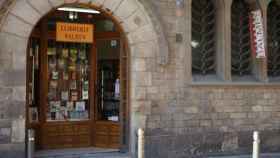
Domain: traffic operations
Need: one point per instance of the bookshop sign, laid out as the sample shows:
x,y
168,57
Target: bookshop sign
x,y
72,32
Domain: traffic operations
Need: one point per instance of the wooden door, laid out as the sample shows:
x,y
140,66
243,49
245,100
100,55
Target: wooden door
x,y
108,127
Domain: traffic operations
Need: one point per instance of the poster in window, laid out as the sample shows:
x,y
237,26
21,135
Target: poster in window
x,y
65,53
80,106
74,95
64,95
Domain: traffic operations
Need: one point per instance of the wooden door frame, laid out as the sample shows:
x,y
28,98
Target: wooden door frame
x,y
124,134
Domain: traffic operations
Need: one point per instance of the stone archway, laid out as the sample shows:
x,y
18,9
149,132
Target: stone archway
x,y
144,34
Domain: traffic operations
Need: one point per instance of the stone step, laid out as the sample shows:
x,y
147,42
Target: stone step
x,y
99,155
81,153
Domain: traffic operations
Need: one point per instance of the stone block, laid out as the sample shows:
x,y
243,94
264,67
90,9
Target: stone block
x,y
12,150
137,20
5,135
143,34
205,123
6,94
142,78
10,109
13,78
144,50
26,12
230,142
152,90
19,93
138,64
112,5
139,93
16,55
126,9
42,6
18,130
238,115
11,25
5,123
97,3
56,3
84,1
19,60
193,110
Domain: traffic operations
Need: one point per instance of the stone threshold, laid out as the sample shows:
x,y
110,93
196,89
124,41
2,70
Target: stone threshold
x,y
81,153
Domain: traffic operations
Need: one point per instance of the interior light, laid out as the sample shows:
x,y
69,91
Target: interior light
x,y
79,10
194,44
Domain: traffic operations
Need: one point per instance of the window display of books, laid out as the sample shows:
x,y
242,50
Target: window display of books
x,y
68,82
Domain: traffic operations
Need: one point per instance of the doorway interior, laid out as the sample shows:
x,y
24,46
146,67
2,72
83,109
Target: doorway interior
x,y
77,91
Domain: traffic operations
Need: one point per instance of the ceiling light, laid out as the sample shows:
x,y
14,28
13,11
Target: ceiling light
x,y
80,10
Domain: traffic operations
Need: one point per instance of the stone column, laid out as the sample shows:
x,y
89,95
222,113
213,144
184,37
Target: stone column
x,y
263,65
226,43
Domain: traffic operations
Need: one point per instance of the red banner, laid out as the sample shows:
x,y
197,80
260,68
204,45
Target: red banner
x,y
257,34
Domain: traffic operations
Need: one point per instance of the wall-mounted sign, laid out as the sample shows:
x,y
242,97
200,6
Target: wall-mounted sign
x,y
72,32
257,34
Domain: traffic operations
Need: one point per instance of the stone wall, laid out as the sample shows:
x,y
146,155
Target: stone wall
x,y
215,120
212,117
12,90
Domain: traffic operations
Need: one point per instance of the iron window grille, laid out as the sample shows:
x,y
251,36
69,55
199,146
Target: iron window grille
x,y
273,30
203,37
241,59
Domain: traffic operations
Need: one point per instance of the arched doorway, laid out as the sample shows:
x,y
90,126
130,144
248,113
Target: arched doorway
x,y
146,44
77,80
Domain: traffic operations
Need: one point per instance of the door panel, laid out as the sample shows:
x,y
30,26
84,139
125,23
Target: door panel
x,y
107,124
107,134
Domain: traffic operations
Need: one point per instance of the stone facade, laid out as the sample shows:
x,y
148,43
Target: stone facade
x,y
181,117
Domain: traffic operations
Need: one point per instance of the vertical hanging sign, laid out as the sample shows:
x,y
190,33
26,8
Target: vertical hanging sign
x,y
72,32
257,34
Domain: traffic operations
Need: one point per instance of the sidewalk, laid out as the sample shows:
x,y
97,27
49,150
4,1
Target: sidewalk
x,y
266,155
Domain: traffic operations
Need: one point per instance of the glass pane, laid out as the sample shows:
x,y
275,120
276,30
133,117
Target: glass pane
x,y
104,25
68,81
108,80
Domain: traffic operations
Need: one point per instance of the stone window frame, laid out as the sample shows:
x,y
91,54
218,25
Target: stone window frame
x,y
224,74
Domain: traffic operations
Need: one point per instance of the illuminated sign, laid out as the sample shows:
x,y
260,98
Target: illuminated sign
x,y
72,32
